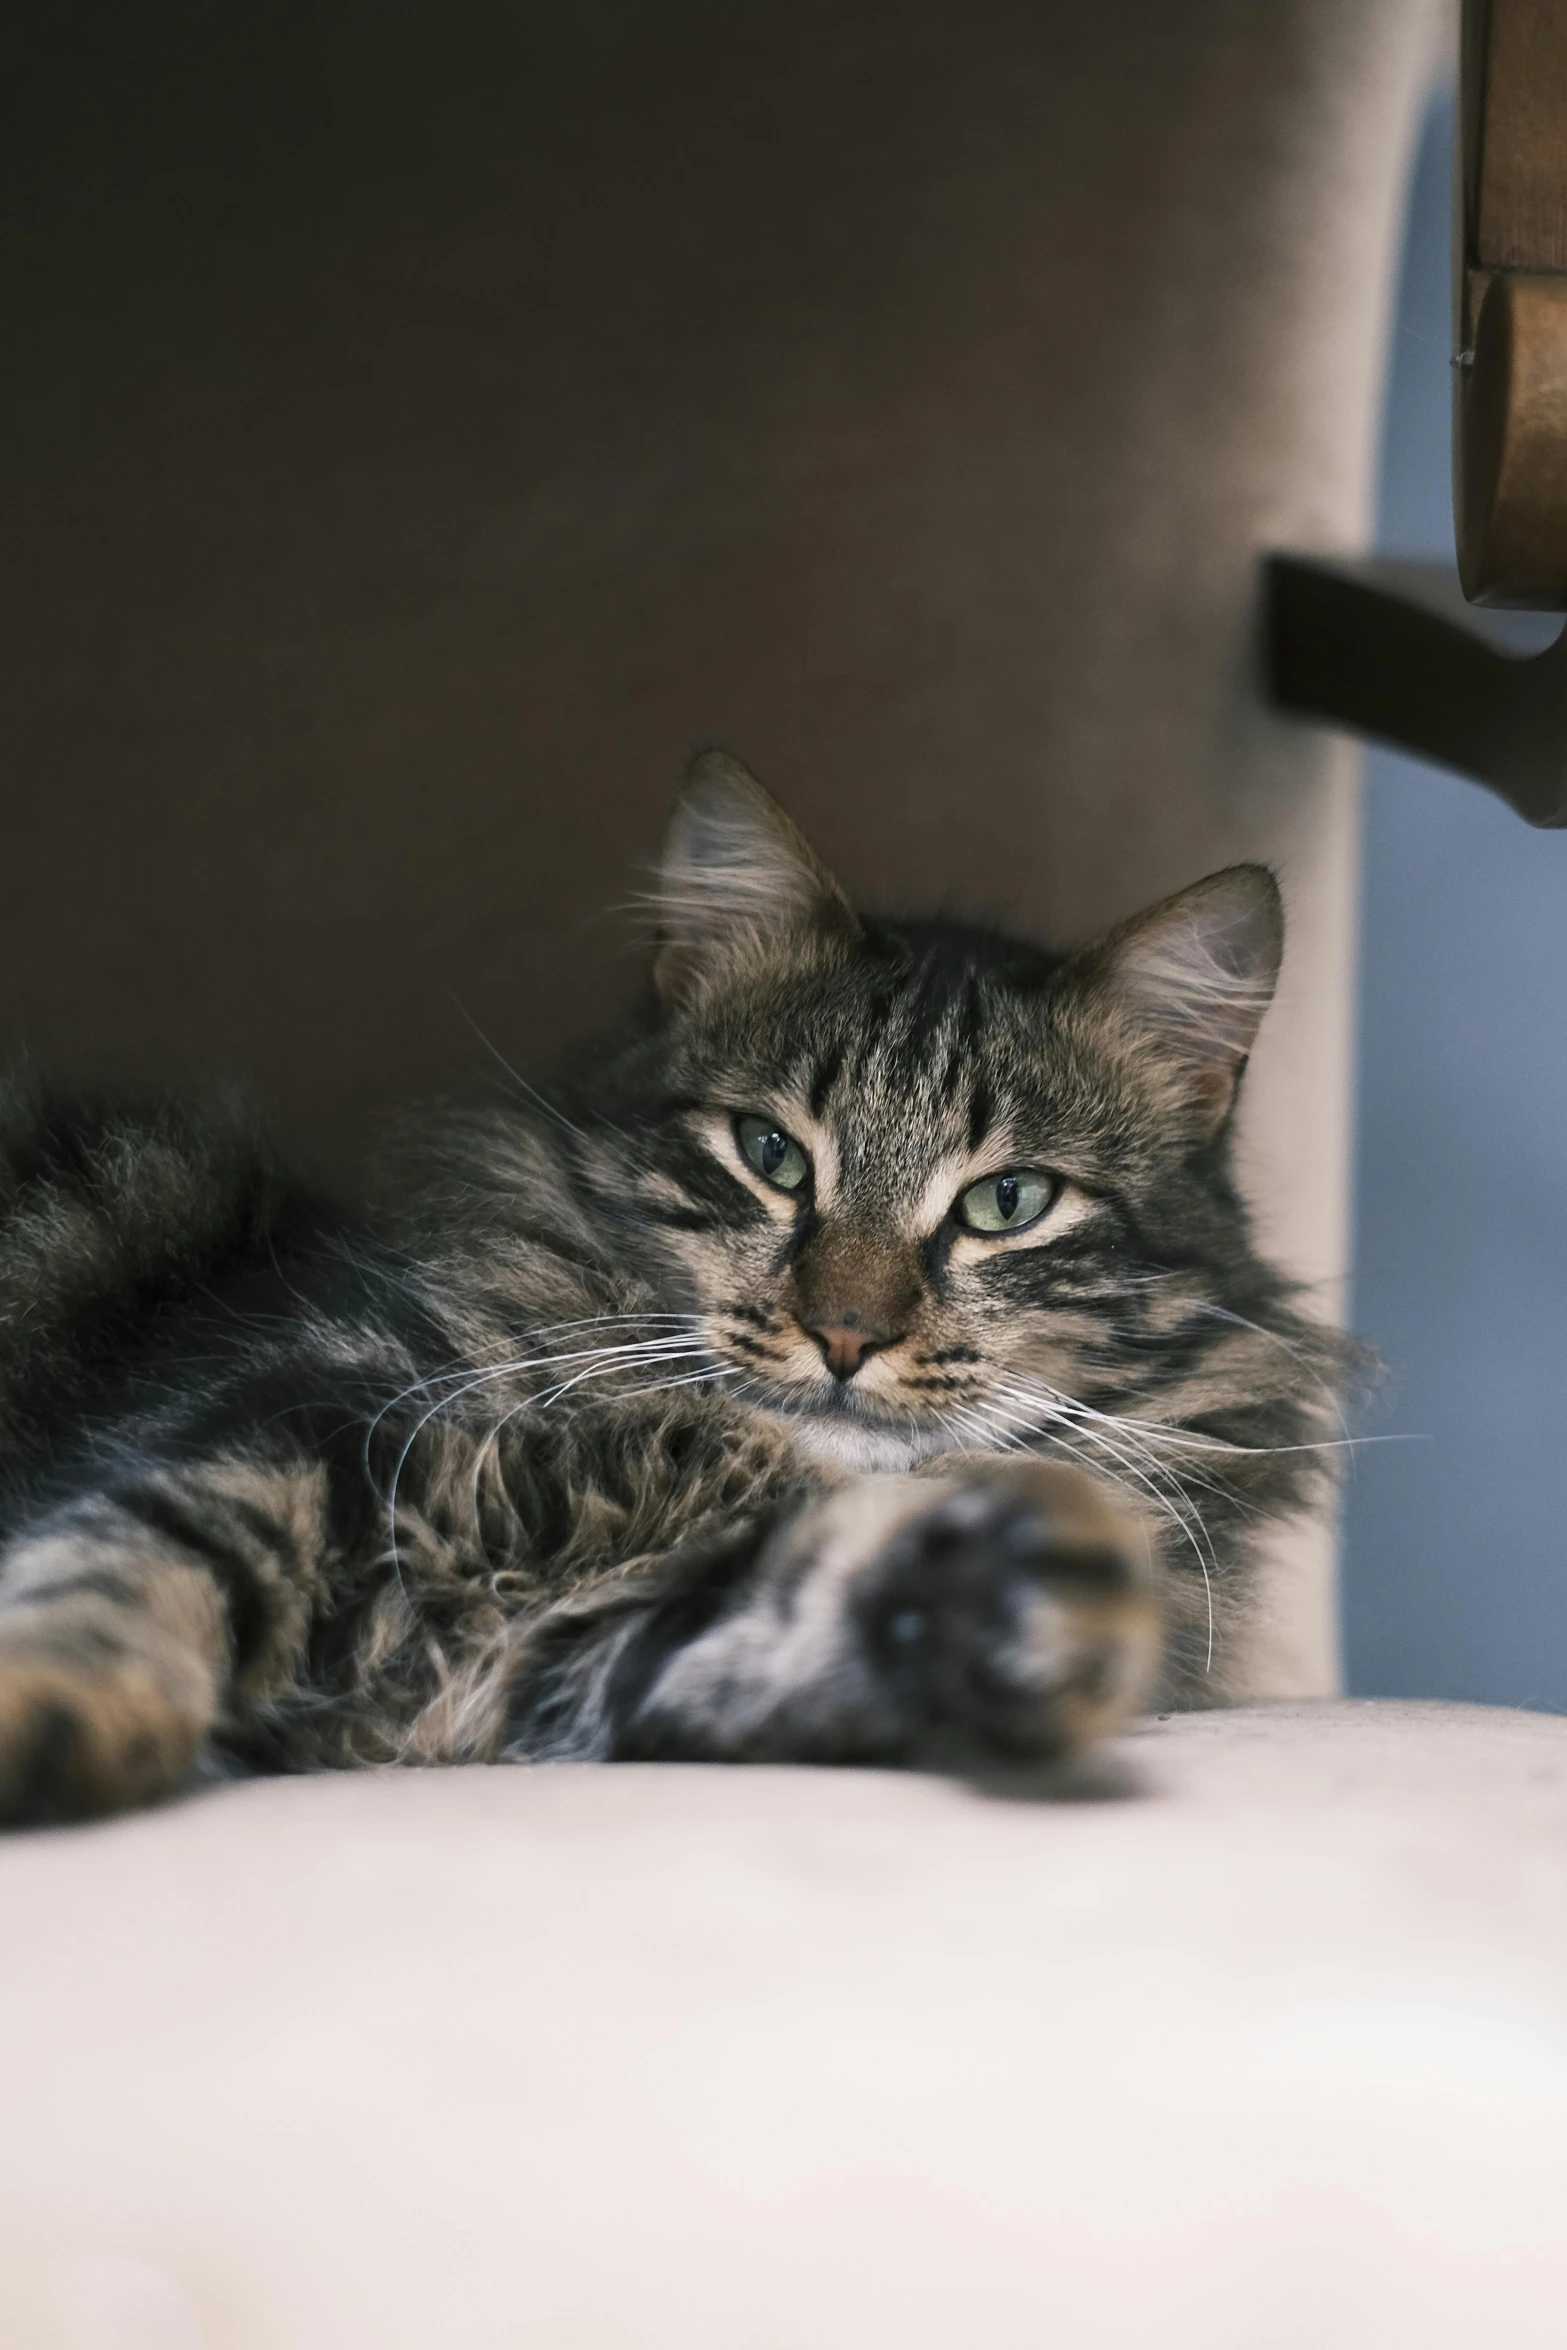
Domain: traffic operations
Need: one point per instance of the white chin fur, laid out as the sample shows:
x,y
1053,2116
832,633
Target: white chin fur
x,y
850,1444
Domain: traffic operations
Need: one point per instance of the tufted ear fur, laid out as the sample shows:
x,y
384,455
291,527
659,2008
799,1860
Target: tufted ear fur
x,y
736,880
1185,986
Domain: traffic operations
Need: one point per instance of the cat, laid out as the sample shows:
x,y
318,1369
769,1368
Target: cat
x,y
858,1356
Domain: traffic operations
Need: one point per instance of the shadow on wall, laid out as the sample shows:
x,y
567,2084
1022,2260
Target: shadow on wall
x,y
1455,1558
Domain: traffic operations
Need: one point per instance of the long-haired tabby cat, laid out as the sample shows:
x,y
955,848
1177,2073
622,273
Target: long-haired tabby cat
x,y
861,1356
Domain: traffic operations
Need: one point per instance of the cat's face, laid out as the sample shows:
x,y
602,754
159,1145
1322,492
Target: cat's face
x,y
923,1183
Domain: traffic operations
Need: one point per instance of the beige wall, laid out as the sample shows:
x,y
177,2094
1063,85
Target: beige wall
x,y
425,424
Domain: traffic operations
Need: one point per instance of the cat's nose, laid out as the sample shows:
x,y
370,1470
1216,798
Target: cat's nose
x,y
845,1344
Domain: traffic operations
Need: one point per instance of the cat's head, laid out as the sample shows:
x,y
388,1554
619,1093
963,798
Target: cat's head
x,y
917,1179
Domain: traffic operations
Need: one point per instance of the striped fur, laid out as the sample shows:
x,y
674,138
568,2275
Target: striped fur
x,y
590,1439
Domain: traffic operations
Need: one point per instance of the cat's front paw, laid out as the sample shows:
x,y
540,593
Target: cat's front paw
x,y
1014,1616
996,1610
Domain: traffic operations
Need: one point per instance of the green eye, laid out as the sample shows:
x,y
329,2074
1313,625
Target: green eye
x,y
1005,1203
776,1156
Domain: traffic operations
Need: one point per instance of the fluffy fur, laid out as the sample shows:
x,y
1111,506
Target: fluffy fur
x,y
686,1410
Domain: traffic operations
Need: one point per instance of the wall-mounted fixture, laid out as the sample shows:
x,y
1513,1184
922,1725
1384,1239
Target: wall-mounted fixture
x,y
1391,650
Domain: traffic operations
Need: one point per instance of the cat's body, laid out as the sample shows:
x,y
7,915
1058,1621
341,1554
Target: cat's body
x,y
861,1357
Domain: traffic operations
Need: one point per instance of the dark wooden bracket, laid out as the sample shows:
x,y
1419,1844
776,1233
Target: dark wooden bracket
x,y
1392,651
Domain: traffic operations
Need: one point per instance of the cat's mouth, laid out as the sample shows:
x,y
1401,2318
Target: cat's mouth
x,y
835,1428
852,1431
836,1403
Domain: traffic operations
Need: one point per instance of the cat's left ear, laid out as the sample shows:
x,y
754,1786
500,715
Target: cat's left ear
x,y
737,882
1184,986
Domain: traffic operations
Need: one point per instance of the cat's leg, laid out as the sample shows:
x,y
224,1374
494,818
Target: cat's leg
x,y
998,1609
130,1619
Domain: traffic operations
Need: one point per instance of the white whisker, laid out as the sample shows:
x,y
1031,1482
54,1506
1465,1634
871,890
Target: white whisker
x,y
529,1092
714,1370
1051,1410
601,1361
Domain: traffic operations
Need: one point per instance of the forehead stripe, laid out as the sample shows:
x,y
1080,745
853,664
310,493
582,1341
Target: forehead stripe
x,y
951,1075
825,1079
981,1107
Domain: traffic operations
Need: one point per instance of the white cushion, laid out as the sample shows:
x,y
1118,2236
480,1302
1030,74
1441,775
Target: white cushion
x,y
1268,2049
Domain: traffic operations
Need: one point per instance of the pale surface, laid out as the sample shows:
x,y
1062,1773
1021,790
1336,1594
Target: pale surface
x,y
1271,2051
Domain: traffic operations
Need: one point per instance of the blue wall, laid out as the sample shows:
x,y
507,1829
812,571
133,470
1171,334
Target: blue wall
x,y
1456,1547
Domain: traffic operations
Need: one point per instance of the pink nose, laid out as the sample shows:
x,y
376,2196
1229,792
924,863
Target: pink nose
x,y
845,1345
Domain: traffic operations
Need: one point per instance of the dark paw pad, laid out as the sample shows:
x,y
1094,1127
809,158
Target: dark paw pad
x,y
993,1632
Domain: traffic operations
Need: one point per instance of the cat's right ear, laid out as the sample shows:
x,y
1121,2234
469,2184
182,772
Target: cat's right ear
x,y
1183,988
737,883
